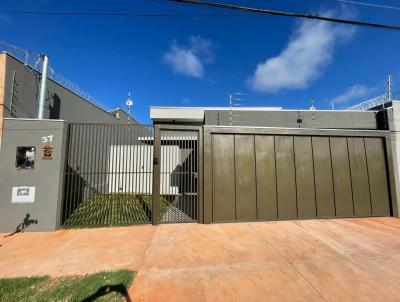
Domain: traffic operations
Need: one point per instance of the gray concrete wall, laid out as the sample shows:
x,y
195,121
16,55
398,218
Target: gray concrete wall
x,y
393,114
295,119
46,177
2,89
21,98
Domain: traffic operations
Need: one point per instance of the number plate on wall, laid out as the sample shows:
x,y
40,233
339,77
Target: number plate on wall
x,y
23,194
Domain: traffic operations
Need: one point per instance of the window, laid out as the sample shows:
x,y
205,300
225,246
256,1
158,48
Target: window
x,y
25,158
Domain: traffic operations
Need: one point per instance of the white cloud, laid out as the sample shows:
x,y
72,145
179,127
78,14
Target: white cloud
x,y
353,93
184,61
308,52
189,60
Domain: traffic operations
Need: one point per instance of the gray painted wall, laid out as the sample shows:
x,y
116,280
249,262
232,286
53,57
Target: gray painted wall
x,y
295,119
47,176
394,127
61,103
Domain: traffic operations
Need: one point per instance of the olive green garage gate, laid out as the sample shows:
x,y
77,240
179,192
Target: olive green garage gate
x,y
253,174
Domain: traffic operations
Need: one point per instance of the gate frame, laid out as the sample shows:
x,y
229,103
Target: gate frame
x,y
208,131
157,168
68,150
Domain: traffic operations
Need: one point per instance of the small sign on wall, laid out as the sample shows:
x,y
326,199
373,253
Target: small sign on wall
x,y
48,152
23,194
47,148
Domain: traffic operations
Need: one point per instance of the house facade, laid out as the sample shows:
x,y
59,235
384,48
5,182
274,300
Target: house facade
x,y
85,166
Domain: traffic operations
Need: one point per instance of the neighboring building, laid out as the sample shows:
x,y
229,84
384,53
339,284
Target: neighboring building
x,y
19,88
23,136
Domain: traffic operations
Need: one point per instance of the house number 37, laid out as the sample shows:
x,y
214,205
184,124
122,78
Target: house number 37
x,y
47,139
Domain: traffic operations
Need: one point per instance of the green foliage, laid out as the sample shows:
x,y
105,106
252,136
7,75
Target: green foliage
x,y
116,209
109,210
103,286
18,289
164,204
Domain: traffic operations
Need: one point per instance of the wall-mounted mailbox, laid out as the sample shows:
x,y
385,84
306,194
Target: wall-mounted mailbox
x,y
25,157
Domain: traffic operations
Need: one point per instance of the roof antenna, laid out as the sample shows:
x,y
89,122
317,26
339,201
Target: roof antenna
x,y
312,108
230,108
389,90
129,103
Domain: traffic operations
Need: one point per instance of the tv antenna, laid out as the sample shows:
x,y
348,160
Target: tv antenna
x,y
389,88
129,103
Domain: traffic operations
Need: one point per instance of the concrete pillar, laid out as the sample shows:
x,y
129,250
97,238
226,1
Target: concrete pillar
x,y
393,114
36,191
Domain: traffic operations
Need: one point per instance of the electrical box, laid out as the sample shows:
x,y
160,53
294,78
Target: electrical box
x,y
25,157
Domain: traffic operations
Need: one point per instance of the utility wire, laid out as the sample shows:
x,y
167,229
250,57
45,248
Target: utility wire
x,y
287,14
370,4
246,12
120,14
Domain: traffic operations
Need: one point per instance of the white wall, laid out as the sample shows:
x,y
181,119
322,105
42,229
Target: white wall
x,y
131,168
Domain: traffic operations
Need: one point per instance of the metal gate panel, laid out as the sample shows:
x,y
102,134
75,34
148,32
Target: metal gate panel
x,y
359,177
378,182
179,193
304,177
266,178
285,177
108,175
245,171
341,177
223,170
325,199
299,173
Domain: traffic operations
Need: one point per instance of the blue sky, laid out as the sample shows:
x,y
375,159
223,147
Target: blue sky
x,y
198,61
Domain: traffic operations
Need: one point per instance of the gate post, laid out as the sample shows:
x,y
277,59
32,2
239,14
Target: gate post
x,y
207,177
155,212
392,165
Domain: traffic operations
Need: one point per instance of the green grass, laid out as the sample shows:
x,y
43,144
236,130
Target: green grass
x,y
103,286
115,210
109,210
164,204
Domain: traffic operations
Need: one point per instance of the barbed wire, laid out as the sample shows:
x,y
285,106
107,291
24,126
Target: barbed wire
x,y
371,103
34,61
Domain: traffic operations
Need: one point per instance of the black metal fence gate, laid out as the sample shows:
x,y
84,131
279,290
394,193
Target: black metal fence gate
x,y
179,176
122,174
108,175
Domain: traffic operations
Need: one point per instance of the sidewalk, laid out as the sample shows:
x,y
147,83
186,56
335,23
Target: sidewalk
x,y
313,260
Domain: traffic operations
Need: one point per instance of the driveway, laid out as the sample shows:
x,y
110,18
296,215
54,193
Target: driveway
x,y
308,260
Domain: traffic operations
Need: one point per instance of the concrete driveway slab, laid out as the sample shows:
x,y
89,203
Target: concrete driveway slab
x,y
235,282
295,243
71,252
350,280
347,239
195,245
307,260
